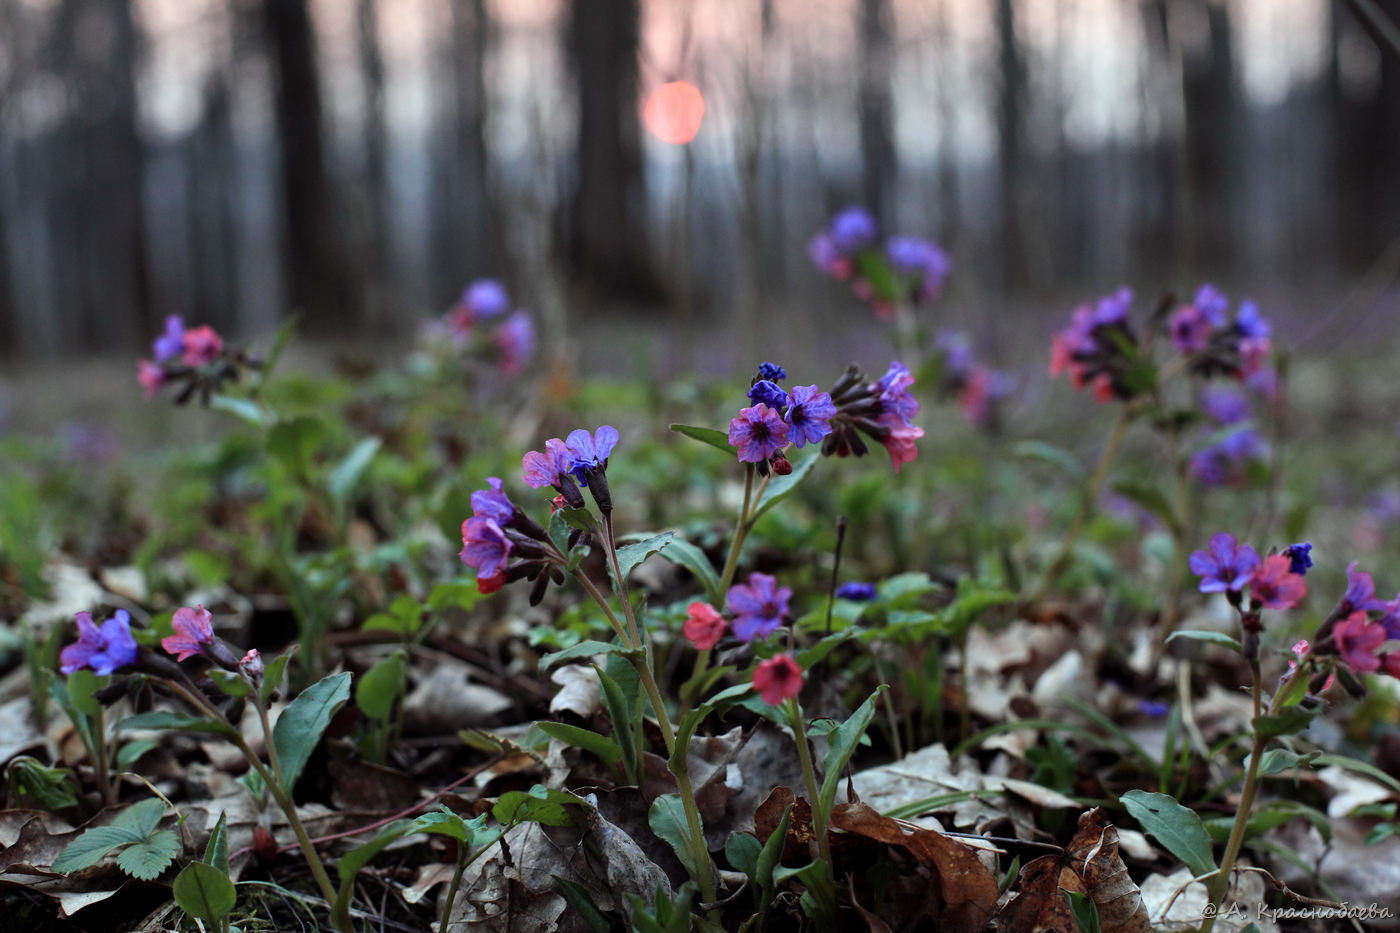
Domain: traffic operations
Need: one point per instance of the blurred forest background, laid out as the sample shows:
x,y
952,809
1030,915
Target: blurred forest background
x,y
360,160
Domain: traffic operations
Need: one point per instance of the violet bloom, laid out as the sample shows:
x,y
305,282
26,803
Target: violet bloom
x,y
852,229
1228,565
758,606
1299,557
485,547
1189,329
545,469
856,592
515,341
1275,586
893,390
809,418
104,649
1361,591
493,503
1212,304
486,298
1357,640
770,394
194,629
590,451
771,371
759,432
171,343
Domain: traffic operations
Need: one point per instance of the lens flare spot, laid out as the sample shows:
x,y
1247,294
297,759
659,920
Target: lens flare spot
x,y
673,112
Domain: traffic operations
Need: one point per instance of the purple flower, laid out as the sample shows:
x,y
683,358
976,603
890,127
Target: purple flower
x,y
515,341
544,469
1212,304
1361,591
1224,405
771,371
484,547
493,503
759,432
810,415
590,451
1190,330
103,649
1228,565
486,298
1275,585
770,394
857,592
172,342
852,229
893,389
1299,557
194,628
758,607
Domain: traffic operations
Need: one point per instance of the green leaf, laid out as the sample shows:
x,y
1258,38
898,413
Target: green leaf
x,y
293,442
1174,826
179,721
348,471
586,739
240,408
1086,912
216,851
379,687
630,555
540,805
687,555
584,649
780,487
205,892
716,439
148,858
1292,720
230,683
1215,638
841,745
668,820
299,728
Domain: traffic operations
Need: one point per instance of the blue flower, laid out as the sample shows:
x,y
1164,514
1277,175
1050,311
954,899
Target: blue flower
x,y
105,649
858,592
809,418
1228,565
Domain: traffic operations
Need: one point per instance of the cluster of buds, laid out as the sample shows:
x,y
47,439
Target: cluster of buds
x,y
975,386
906,269
194,359
482,321
1217,344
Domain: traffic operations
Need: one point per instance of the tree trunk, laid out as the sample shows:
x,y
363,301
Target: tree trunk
x,y
317,275
606,230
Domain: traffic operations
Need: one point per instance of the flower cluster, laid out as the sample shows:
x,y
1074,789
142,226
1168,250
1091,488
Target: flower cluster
x,y
974,385
1216,343
194,358
482,320
1231,443
906,269
1098,348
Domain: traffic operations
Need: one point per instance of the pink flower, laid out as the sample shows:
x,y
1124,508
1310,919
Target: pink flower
x,y
777,679
194,628
704,626
1357,640
202,345
151,376
1275,586
900,441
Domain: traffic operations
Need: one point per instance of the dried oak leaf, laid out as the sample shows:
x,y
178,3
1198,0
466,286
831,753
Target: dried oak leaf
x,y
967,888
